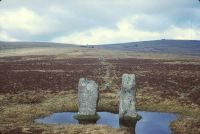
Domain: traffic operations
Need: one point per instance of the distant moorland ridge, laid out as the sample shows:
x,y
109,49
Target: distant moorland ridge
x,y
186,47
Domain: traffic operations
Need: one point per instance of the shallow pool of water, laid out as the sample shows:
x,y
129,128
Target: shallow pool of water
x,y
151,122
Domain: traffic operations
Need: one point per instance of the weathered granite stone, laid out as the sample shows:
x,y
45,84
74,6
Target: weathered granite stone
x,y
127,97
87,97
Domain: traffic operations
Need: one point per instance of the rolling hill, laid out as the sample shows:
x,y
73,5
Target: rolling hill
x,y
186,47
181,47
16,45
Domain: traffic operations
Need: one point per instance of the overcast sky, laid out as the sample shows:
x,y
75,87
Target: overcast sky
x,y
98,21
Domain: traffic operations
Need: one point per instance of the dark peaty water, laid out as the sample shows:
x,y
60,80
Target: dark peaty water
x,y
151,122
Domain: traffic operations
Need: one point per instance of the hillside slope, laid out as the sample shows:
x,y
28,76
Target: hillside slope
x,y
180,47
15,45
188,47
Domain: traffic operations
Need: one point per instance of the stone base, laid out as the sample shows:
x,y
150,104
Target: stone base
x,y
87,119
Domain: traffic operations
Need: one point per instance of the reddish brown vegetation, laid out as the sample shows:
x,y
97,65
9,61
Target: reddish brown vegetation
x,y
166,80
181,81
49,74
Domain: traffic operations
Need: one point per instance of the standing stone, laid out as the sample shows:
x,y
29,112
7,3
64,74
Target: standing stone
x,y
128,97
87,97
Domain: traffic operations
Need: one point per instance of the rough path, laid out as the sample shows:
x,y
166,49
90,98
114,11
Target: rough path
x,y
109,77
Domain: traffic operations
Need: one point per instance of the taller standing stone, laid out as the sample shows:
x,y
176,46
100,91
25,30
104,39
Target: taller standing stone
x,y
87,96
127,97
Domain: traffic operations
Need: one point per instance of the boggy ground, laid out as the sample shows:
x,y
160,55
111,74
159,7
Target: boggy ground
x,y
36,86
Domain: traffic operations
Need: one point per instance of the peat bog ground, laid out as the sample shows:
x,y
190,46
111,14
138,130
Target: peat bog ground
x,y
36,86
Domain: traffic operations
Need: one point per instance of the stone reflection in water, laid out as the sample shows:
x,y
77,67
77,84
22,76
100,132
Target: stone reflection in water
x,y
125,125
128,125
87,121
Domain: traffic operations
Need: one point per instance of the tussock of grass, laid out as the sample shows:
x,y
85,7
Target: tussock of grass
x,y
25,113
82,129
108,102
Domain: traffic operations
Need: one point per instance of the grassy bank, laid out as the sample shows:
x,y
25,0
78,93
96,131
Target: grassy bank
x,y
17,115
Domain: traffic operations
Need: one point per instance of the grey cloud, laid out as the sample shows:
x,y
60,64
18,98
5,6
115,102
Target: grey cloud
x,y
75,16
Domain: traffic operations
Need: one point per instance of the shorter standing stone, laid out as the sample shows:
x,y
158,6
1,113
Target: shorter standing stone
x,y
128,97
87,97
